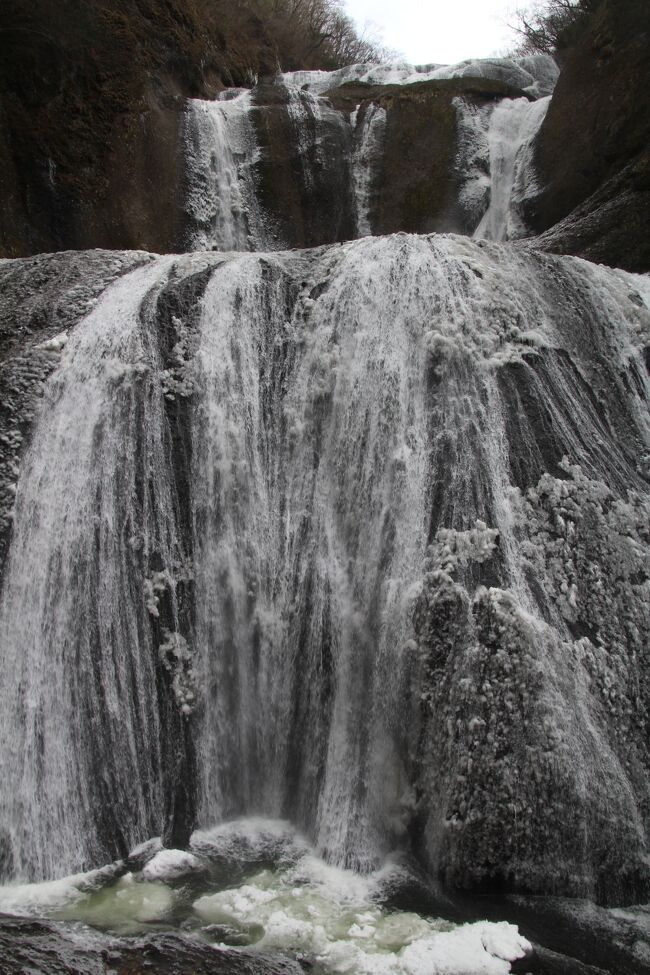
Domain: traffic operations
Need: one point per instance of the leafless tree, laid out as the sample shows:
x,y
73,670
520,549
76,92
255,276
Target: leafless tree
x,y
554,25
315,33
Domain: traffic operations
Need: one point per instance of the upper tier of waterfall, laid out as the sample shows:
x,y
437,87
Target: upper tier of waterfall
x,y
289,164
511,130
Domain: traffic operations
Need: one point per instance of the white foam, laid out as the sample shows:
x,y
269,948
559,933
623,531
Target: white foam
x,y
52,895
254,836
330,915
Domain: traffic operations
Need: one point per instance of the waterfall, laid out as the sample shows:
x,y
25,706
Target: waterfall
x,y
280,164
309,418
81,761
513,126
306,115
262,492
221,204
368,145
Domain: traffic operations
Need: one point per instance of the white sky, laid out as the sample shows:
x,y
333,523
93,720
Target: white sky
x,y
441,31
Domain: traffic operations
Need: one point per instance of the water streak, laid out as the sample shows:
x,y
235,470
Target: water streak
x,y
366,159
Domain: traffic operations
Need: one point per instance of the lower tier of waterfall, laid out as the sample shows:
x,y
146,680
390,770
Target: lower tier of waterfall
x,y
355,537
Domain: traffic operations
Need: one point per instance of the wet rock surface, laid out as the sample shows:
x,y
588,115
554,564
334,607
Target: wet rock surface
x,y
610,226
304,183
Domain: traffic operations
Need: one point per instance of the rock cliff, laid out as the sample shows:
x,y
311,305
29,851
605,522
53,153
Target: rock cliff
x,y
592,154
91,98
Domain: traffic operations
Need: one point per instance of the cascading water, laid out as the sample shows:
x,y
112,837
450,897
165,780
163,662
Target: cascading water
x,y
80,721
353,537
368,143
221,204
513,126
338,421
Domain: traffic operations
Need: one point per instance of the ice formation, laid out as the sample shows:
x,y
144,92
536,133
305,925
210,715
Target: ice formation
x,y
535,75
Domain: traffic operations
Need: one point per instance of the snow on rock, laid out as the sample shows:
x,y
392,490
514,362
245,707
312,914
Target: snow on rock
x,y
481,948
55,344
146,850
535,75
329,915
168,865
177,658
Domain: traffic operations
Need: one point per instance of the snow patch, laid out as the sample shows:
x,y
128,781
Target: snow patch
x,y
168,865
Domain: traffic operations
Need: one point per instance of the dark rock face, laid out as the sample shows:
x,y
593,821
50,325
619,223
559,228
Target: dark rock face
x,y
42,948
591,154
91,97
416,188
304,181
610,226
